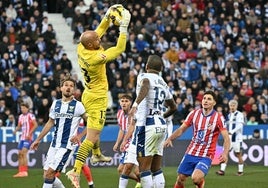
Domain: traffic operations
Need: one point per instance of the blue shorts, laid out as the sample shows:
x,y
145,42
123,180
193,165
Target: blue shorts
x,y
24,144
189,163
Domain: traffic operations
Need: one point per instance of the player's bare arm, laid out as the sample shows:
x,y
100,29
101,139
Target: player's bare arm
x,y
226,145
177,133
43,133
145,85
120,137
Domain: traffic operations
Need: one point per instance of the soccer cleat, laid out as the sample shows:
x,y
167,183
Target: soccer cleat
x,y
138,185
74,178
240,173
21,175
220,173
100,158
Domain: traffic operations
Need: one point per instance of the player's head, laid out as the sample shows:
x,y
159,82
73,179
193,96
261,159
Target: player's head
x,y
154,64
125,101
209,100
67,86
24,107
90,40
233,104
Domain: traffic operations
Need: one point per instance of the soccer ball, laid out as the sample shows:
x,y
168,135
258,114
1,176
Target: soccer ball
x,y
116,14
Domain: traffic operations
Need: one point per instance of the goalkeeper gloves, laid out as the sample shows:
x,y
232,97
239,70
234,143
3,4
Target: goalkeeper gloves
x,y
107,14
125,21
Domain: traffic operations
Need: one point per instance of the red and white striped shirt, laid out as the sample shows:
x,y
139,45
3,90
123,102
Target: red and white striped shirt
x,y
26,123
206,131
122,119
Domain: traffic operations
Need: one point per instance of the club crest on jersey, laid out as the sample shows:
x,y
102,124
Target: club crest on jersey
x,y
209,126
71,109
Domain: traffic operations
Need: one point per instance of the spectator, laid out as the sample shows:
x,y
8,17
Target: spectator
x,y
254,112
78,30
252,121
68,13
11,121
256,134
65,63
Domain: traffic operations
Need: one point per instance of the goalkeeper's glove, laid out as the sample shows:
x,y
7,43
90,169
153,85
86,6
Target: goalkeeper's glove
x,y
107,14
125,21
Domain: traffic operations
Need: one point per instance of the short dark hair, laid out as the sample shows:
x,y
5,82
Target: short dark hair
x,y
67,78
155,62
24,104
212,93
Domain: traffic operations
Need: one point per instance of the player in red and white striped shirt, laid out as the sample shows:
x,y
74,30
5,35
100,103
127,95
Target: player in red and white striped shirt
x,y
128,160
27,123
207,124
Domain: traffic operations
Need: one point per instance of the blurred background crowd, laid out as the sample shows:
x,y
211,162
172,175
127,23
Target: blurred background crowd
x,y
218,45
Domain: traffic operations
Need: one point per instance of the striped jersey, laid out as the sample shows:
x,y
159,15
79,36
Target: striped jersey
x,y
236,122
122,119
206,130
26,123
151,109
67,116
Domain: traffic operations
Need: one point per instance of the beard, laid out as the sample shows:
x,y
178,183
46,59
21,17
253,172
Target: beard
x,y
67,94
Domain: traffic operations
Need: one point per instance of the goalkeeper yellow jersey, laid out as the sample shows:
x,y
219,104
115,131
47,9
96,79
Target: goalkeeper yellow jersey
x,y
93,62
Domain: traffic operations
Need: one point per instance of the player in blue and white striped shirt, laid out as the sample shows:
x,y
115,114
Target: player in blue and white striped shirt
x,y
236,121
65,115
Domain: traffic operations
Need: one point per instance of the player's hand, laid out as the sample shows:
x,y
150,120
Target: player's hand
x,y
168,143
122,146
126,16
115,147
75,139
223,157
34,145
107,14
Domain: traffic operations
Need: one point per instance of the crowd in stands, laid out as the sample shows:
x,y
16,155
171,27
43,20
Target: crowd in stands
x,y
218,45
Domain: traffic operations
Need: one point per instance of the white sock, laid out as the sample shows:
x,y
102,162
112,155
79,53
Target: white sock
x,y
123,181
146,179
223,166
57,183
240,167
159,179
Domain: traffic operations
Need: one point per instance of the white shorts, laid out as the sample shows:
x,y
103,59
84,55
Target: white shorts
x,y
236,146
129,157
150,140
56,158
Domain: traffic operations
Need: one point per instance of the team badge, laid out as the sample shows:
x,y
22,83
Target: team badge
x,y
71,108
209,126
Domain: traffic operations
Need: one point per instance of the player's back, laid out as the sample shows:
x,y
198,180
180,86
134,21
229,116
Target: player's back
x,y
158,92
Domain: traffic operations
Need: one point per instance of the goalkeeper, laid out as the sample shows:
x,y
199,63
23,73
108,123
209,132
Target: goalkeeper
x,y
92,59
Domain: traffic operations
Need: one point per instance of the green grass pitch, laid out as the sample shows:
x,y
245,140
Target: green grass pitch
x,y
254,177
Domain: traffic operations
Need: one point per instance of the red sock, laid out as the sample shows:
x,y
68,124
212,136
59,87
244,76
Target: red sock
x,y
178,186
87,173
23,169
20,168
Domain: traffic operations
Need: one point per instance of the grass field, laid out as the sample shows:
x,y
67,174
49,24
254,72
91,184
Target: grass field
x,y
255,177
